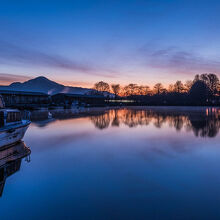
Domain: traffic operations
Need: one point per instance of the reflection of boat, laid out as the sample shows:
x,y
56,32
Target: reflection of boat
x,y
50,115
10,161
12,127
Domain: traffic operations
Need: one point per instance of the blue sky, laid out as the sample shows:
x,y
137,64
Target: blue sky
x,y
81,42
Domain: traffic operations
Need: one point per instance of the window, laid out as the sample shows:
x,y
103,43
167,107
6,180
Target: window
x,y
1,119
1,102
13,117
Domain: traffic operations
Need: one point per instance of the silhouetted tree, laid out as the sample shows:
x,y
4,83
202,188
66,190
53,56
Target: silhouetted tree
x,y
143,90
188,85
199,92
213,83
102,86
130,89
171,88
211,80
116,89
196,78
178,86
158,88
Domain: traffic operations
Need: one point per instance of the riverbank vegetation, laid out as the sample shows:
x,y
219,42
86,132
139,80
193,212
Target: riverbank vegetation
x,y
204,89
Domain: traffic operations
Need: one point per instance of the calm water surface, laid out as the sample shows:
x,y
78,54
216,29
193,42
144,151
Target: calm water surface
x,y
135,163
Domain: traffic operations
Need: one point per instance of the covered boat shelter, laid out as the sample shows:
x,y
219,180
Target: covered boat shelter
x,y
24,99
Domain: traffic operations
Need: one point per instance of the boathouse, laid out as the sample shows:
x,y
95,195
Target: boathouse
x,y
23,99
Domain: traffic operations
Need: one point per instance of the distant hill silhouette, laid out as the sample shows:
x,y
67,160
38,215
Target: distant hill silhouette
x,y
42,84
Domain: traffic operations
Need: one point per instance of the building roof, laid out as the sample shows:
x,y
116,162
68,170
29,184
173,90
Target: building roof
x,y
8,110
13,92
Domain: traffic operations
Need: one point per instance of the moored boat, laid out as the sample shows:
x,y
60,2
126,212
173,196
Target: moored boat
x,y
10,161
12,126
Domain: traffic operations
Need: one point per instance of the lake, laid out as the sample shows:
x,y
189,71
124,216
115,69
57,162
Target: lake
x,y
121,163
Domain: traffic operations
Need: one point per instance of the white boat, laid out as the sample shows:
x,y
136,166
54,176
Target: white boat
x,y
12,127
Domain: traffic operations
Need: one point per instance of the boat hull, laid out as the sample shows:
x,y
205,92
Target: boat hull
x,y
13,134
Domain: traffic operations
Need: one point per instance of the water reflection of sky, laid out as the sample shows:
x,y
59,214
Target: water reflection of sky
x,y
83,171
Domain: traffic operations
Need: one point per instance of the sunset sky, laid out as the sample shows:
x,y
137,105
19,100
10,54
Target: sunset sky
x,y
80,42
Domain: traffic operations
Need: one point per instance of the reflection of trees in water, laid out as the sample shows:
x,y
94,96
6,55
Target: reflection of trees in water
x,y
178,121
205,126
202,123
116,119
101,121
134,118
159,120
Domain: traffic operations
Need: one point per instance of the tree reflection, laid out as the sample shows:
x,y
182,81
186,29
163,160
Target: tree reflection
x,y
116,119
101,121
203,123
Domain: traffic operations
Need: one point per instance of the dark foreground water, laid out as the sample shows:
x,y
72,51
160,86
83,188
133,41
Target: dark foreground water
x,y
136,163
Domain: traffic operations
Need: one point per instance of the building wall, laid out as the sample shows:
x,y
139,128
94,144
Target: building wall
x,y
67,100
23,100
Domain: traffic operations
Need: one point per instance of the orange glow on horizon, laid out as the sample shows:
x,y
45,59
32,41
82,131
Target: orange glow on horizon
x,y
76,84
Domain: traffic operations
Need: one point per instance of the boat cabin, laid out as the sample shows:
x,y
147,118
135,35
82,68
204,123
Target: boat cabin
x,y
9,117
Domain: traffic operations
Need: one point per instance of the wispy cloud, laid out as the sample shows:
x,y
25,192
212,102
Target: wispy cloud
x,y
14,54
178,61
6,78
10,53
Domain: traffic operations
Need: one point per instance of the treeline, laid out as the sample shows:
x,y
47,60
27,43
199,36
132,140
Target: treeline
x,y
204,89
210,80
